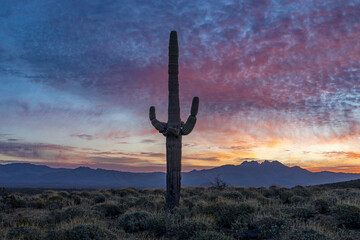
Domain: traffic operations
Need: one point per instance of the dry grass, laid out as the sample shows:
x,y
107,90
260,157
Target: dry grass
x,y
229,213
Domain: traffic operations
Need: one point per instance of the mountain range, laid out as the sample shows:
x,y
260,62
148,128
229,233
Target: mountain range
x,y
248,173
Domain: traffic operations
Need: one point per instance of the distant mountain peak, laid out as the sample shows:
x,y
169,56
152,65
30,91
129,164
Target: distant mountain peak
x,y
249,163
273,163
264,163
82,168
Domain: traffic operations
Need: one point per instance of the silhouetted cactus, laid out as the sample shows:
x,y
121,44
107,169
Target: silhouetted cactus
x,y
174,128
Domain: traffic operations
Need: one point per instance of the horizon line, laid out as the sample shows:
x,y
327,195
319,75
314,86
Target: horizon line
x,y
99,168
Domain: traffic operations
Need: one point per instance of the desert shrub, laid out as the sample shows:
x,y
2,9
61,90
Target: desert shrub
x,y
322,206
69,213
226,213
106,193
180,213
211,196
109,210
201,207
297,199
187,229
25,221
210,235
55,202
189,203
64,194
301,213
249,193
56,198
14,201
264,200
24,233
268,193
285,195
306,234
129,201
76,199
145,202
349,195
232,195
240,226
85,194
157,225
347,215
193,191
270,227
158,191
99,198
301,191
326,220
88,232
125,192
36,203
134,221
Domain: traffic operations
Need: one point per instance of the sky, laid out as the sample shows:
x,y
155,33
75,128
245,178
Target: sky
x,y
277,80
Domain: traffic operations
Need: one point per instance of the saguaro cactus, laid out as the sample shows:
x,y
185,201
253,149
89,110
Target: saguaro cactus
x,y
174,128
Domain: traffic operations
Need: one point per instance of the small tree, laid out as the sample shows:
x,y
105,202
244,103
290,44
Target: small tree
x,y
219,183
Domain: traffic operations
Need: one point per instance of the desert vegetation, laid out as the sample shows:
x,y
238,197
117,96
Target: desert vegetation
x,y
217,212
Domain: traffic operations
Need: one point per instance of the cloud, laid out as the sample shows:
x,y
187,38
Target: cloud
x,y
275,70
36,150
149,141
83,136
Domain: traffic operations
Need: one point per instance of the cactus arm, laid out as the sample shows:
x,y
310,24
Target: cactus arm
x,y
191,121
160,126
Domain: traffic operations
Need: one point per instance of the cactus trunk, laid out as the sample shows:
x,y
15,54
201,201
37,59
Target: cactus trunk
x,y
174,128
173,171
173,143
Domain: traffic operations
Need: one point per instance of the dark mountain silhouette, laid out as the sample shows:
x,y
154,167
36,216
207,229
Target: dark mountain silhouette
x,y
347,184
246,174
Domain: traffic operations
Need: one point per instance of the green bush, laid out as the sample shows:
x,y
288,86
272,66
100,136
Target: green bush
x,y
86,232
301,213
55,202
306,234
285,195
211,235
157,225
322,206
297,199
64,194
134,221
37,203
69,214
347,215
187,229
226,213
232,195
15,201
76,199
24,233
301,191
109,210
145,202
125,192
99,198
240,226
270,227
